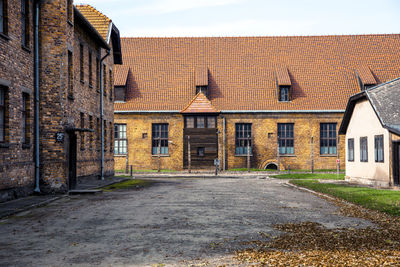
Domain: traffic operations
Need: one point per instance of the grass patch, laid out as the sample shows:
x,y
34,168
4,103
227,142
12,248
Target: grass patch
x,y
252,169
129,184
134,171
324,176
119,171
308,170
387,201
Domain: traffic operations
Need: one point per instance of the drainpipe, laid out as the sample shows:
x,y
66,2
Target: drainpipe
x,y
102,114
36,85
223,142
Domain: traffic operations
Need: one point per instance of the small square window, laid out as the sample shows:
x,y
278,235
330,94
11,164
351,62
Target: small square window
x,y
284,93
200,151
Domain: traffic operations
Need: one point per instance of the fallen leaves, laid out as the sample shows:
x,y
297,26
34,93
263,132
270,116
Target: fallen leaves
x,y
312,244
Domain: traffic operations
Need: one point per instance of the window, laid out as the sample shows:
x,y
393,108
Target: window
x,y
189,122
160,139
363,149
202,89
211,122
350,149
328,139
120,141
200,122
25,22
3,17
243,138
110,81
70,76
111,137
200,151
90,69
284,93
81,61
98,133
25,118
98,74
91,133
104,80
82,117
119,93
69,10
286,138
379,148
105,135
2,114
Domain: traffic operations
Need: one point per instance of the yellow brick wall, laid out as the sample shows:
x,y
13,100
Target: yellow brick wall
x,y
139,148
264,128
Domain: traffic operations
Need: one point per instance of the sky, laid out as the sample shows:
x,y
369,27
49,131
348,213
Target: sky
x,y
193,18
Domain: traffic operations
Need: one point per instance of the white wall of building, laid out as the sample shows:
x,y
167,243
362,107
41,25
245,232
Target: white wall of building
x,y
364,122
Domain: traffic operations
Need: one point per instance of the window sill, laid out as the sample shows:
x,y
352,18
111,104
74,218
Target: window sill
x,y
98,91
70,22
161,156
287,155
26,146
120,155
328,155
90,86
4,145
243,155
82,82
71,97
27,49
4,36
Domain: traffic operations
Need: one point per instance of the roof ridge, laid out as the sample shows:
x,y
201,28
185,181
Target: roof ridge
x,y
261,36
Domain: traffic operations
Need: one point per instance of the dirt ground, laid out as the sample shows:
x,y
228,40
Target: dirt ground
x,y
176,222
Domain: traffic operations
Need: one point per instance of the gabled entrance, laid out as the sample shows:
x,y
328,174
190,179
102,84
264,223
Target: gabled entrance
x,y
200,133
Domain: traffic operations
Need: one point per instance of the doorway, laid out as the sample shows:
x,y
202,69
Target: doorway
x,y
72,161
396,163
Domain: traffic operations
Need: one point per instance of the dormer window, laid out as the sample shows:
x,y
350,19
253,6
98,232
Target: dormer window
x,y
202,89
283,83
119,93
365,78
284,93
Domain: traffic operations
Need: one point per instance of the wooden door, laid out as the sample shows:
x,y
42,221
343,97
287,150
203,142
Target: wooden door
x,y
203,147
72,161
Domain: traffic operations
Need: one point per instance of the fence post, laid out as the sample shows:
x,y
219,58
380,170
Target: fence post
x,y
248,153
159,155
312,154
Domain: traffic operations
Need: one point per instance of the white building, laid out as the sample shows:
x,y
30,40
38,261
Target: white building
x,y
371,124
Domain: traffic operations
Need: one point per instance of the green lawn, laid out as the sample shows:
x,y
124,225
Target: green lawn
x,y
378,199
325,176
135,171
251,169
133,183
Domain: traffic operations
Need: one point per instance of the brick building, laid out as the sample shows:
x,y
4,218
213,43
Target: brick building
x,y
281,97
62,57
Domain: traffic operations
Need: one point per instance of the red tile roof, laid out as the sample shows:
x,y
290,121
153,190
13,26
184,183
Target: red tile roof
x,y
365,75
98,20
200,104
282,76
242,71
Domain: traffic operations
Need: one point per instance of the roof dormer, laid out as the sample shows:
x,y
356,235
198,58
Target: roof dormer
x,y
365,78
283,84
201,80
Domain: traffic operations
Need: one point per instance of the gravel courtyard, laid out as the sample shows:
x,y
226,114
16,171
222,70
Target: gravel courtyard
x,y
173,222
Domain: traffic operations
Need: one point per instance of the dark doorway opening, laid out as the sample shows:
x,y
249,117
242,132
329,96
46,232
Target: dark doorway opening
x,y
396,163
72,161
271,166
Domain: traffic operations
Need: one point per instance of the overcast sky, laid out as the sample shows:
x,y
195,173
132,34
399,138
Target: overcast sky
x,y
160,18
